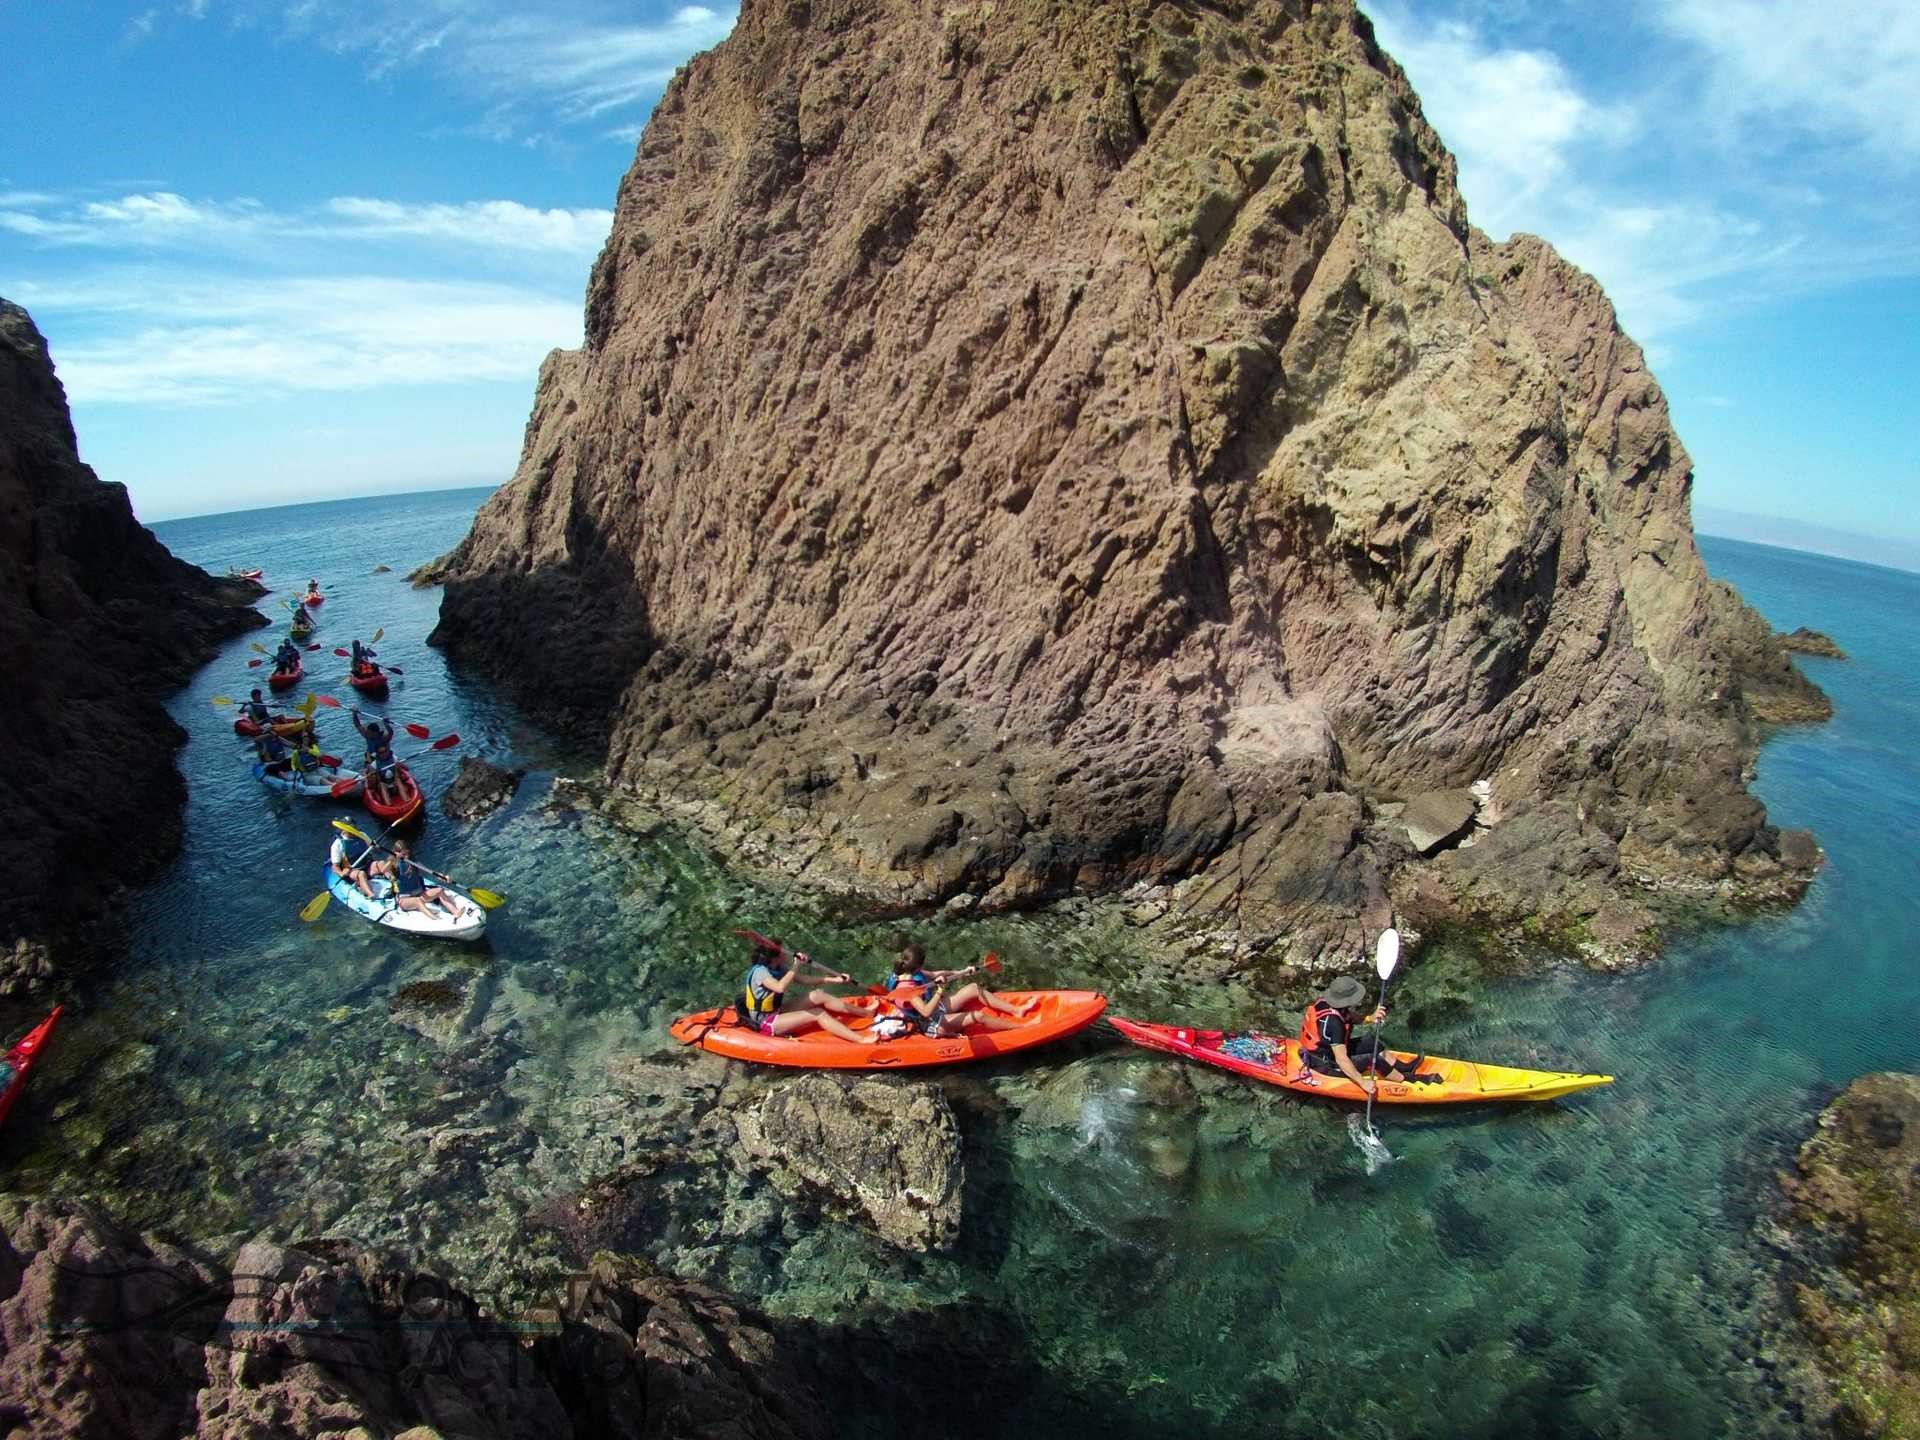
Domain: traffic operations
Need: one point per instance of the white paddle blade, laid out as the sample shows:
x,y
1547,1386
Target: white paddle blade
x,y
1386,954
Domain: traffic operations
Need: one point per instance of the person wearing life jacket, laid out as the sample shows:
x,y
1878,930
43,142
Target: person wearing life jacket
x,y
379,766
762,1003
313,593
346,859
362,658
256,710
286,658
273,753
410,888
1327,1042
911,977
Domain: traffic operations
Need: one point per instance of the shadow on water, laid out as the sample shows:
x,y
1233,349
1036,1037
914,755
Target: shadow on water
x,y
1161,1246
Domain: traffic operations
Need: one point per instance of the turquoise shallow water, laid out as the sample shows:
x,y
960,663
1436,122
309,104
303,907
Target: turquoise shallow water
x,y
1157,1245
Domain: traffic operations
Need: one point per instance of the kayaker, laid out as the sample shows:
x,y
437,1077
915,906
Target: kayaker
x,y
342,859
380,763
272,751
1327,1044
313,593
363,657
287,658
762,1002
410,888
910,972
256,710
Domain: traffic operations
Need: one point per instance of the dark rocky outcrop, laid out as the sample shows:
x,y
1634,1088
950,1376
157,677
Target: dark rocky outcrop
x,y
106,1335
478,790
1811,642
1853,1227
1076,445
97,622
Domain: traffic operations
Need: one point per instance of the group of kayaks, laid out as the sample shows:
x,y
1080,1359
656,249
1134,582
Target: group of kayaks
x,y
1273,1060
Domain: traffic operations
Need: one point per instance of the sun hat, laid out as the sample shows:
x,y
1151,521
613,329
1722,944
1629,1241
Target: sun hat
x,y
1344,993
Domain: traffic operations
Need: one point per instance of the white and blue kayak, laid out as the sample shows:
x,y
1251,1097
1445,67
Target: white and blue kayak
x,y
315,784
432,923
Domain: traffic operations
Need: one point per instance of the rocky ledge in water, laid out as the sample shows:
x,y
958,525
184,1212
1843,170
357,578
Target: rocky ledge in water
x,y
1811,642
97,619
478,790
107,1335
1060,446
1853,1229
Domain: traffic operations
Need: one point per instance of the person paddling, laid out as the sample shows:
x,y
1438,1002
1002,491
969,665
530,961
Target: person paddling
x,y
273,754
287,658
313,594
256,710
1327,1045
342,860
763,994
363,657
410,888
379,766
910,972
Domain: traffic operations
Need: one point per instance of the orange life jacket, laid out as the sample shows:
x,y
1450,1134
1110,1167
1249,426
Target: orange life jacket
x,y
1312,1040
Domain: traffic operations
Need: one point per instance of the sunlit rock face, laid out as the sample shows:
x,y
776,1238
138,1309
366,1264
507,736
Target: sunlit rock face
x,y
1055,446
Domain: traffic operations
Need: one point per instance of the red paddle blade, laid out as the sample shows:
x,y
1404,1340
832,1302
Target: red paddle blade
x,y
992,963
395,669
328,701
342,788
252,663
418,732
333,762
341,653
445,742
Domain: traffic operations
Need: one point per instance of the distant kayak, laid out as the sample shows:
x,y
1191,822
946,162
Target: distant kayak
x,y
283,679
431,923
313,599
1462,1082
1061,1013
409,805
371,683
19,1062
285,726
312,786
254,575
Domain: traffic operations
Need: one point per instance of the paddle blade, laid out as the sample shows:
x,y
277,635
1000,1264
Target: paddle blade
x,y
487,899
445,742
312,648
351,830
396,670
345,787
332,762
992,963
252,663
418,732
341,653
311,911
377,634
312,704
221,700
328,701
256,645
1386,954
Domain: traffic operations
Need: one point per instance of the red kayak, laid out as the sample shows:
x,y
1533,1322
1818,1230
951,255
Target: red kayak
x,y
247,574
371,683
20,1061
313,600
410,805
287,679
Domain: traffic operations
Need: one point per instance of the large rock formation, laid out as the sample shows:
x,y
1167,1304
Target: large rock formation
x,y
106,1335
97,622
1054,445
1853,1199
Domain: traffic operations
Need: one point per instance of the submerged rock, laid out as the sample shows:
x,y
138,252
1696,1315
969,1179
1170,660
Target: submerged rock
x,y
1854,1197
98,619
479,789
1131,467
886,1153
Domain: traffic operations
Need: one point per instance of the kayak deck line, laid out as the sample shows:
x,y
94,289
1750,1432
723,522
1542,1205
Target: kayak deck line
x,y
1461,1082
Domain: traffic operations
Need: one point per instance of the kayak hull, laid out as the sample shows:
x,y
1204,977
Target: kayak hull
x,y
313,600
1061,1013
247,574
432,924
21,1059
1462,1082
410,807
286,728
374,686
311,787
287,679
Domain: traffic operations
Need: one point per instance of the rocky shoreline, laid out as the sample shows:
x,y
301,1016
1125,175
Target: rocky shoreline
x,y
1151,488
97,620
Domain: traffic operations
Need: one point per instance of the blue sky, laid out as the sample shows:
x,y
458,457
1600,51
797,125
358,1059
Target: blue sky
x,y
293,249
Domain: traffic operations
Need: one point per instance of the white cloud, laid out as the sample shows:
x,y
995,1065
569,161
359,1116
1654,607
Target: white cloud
x,y
161,218
1840,72
195,340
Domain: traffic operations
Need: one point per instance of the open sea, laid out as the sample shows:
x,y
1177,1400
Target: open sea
x,y
1148,1247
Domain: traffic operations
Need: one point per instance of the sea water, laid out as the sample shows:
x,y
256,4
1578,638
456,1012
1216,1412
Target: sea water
x,y
1148,1243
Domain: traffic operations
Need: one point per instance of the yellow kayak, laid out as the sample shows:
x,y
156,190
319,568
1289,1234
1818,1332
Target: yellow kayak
x,y
1276,1061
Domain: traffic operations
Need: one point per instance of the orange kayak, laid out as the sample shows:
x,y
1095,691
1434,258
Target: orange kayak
x,y
1061,1013
1462,1082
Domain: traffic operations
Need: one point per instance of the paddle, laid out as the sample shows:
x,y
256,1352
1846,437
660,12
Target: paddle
x,y
990,962
311,910
344,786
485,899
1386,955
418,732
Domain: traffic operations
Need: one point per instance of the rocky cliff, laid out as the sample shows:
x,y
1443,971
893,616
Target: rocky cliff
x,y
97,622
1059,445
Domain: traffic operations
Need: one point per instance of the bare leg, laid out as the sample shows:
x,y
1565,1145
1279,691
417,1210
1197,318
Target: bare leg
x,y
979,1020
821,1000
789,1022
972,997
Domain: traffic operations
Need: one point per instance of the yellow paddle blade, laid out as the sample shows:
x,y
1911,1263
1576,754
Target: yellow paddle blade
x,y
313,704
256,645
356,834
377,634
220,700
315,906
486,899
